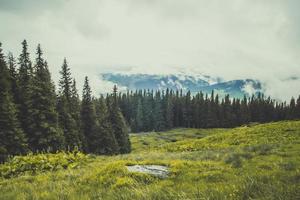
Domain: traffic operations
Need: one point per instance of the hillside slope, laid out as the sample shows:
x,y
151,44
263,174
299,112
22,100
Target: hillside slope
x,y
253,162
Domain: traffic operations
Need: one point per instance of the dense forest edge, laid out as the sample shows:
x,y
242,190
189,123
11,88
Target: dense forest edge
x,y
34,117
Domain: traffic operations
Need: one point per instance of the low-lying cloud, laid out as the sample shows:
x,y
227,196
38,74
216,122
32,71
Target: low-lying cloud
x,y
234,39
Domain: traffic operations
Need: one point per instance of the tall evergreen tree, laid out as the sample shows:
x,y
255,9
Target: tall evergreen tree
x,y
13,77
89,123
168,109
105,142
159,123
13,140
298,108
45,134
139,124
75,112
25,87
67,101
119,126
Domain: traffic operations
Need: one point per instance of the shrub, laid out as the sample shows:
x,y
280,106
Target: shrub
x,y
33,164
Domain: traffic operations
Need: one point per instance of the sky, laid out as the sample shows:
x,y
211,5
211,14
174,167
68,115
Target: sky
x,y
234,39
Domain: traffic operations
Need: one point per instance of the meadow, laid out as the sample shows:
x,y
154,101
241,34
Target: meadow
x,y
257,161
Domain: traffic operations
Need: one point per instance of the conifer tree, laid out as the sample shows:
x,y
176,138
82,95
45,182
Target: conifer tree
x,y
159,123
105,142
298,108
66,109
13,77
45,134
13,140
147,111
212,120
292,109
89,123
25,88
139,124
75,112
119,126
169,109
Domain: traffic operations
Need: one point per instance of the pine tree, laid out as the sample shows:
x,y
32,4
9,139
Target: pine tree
x,y
119,126
67,110
139,124
105,142
75,112
159,123
45,134
13,77
13,140
212,120
25,88
245,114
89,123
292,109
147,111
298,108
168,109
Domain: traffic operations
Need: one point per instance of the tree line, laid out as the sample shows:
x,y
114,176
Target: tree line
x,y
146,110
35,118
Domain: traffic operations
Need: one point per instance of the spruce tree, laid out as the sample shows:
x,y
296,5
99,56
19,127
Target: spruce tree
x,y
139,124
119,126
105,142
13,140
89,123
45,134
292,109
159,123
66,107
298,108
75,112
13,77
169,110
25,88
147,111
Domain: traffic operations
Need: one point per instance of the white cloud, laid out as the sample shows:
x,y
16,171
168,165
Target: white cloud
x,y
233,39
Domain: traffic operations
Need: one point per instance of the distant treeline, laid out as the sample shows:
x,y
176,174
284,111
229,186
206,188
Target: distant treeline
x,y
146,110
33,117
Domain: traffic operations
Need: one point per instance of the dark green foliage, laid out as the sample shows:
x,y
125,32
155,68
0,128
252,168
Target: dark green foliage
x,y
159,123
54,122
119,126
44,133
139,125
68,109
89,123
13,77
199,110
105,141
25,77
13,141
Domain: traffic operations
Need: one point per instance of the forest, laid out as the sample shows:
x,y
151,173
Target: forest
x,y
35,117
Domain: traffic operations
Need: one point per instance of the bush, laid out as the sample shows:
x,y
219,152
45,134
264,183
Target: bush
x,y
33,164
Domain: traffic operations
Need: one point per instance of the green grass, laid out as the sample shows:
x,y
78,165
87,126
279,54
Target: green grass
x,y
255,162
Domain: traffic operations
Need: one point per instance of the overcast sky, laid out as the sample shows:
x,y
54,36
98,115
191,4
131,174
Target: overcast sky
x,y
231,39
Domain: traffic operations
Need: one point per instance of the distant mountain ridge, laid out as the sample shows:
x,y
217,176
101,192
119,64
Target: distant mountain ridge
x,y
204,83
